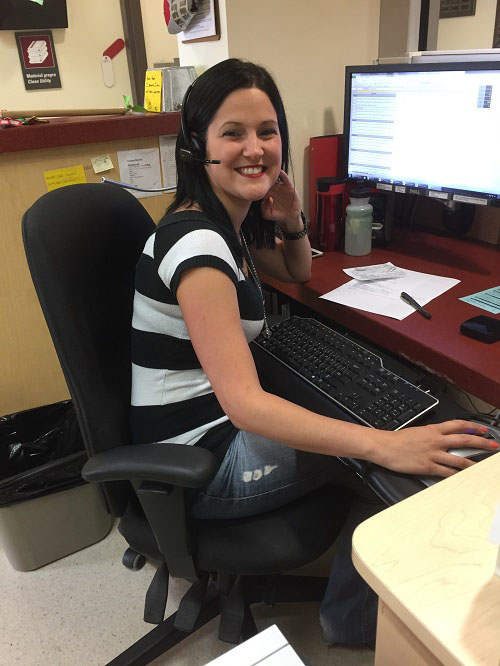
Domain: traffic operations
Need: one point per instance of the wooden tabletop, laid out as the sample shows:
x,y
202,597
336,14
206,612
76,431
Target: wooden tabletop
x,y
435,344
429,559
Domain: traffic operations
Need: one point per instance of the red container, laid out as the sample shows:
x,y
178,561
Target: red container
x,y
325,153
329,213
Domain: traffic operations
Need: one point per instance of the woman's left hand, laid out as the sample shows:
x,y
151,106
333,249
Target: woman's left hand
x,y
282,203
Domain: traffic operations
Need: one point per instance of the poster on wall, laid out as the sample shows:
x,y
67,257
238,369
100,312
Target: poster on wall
x,y
204,26
38,60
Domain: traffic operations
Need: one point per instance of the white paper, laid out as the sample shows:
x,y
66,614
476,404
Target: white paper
x,y
167,157
269,647
384,296
203,22
375,272
140,168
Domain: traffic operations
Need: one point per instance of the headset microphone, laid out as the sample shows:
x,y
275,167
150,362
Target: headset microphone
x,y
188,156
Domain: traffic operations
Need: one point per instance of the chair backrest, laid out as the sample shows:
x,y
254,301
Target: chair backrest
x,y
82,243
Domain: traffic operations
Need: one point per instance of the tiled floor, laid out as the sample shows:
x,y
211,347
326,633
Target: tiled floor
x,y
86,608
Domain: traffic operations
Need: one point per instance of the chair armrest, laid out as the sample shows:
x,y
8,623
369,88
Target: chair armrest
x,y
176,464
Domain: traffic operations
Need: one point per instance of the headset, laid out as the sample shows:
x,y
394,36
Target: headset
x,y
195,154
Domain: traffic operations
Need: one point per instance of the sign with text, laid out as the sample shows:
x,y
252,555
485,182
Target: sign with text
x,y
38,60
152,90
73,175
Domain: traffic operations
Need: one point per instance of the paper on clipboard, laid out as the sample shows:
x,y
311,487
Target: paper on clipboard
x,y
202,24
384,296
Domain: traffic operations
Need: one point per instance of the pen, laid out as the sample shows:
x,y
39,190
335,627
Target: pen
x,y
411,301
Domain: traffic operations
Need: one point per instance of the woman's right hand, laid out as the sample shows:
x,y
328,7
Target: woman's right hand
x,y
423,450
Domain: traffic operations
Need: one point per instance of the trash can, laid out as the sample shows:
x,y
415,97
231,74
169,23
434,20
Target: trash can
x,y
47,510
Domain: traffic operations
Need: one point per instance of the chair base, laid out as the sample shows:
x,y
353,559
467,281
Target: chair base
x,y
231,600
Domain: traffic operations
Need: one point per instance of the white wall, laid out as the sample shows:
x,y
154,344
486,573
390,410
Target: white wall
x,y
93,26
469,32
161,46
306,47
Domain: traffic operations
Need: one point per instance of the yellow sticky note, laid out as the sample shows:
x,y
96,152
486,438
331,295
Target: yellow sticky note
x,y
101,163
66,176
152,91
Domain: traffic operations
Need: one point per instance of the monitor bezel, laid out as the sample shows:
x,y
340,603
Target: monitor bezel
x,y
469,65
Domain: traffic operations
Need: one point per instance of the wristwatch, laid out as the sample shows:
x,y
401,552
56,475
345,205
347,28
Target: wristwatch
x,y
298,234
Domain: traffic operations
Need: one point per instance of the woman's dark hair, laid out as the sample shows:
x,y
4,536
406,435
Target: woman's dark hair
x,y
203,100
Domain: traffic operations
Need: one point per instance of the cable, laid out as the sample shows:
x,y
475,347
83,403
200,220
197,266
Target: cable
x,y
134,187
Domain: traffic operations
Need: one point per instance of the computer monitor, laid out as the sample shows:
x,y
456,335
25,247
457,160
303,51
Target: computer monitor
x,y
431,129
29,15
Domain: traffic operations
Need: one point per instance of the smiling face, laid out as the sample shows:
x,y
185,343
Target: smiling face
x,y
244,136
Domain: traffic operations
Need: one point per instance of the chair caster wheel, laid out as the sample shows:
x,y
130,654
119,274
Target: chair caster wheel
x,y
133,560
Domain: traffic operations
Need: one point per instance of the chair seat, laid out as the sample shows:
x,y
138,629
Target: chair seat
x,y
263,544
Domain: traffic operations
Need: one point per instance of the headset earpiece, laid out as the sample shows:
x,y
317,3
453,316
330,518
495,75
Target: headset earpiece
x,y
196,145
193,152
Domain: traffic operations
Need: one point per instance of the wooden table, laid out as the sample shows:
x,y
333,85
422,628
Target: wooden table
x,y
429,560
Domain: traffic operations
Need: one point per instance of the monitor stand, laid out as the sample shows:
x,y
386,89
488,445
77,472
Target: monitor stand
x,y
458,217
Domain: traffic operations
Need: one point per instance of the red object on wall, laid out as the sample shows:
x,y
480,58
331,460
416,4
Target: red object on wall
x,y
325,159
114,48
166,11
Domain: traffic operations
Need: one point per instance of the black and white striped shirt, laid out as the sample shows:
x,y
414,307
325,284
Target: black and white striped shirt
x,y
172,399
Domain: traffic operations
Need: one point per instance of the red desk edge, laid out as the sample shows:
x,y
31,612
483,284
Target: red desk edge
x,y
75,130
435,344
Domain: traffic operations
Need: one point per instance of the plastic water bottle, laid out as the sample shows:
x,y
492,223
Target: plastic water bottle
x,y
358,222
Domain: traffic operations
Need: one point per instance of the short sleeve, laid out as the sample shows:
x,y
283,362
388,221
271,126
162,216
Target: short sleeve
x,y
196,249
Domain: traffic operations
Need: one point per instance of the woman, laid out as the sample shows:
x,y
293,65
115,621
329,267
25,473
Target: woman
x,y
198,304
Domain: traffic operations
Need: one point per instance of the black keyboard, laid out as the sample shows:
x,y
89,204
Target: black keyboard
x,y
347,373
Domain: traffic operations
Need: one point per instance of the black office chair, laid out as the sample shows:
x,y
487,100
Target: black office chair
x,y
82,243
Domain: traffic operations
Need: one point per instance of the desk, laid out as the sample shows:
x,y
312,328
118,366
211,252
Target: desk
x,y
434,573
437,344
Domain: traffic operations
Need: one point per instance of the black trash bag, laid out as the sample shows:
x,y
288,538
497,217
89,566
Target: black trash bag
x,y
41,451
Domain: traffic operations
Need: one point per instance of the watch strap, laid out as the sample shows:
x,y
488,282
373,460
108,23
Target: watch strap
x,y
299,234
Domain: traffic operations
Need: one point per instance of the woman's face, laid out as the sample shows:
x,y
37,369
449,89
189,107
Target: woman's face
x,y
244,136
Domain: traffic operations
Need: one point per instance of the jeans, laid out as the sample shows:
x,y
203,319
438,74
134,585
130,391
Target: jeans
x,y
258,475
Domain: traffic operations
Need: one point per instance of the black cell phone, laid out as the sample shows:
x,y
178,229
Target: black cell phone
x,y
482,328
316,253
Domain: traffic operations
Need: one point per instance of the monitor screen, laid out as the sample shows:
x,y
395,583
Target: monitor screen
x,y
31,15
431,129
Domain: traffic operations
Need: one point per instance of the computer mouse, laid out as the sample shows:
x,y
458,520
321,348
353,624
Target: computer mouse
x,y
492,434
